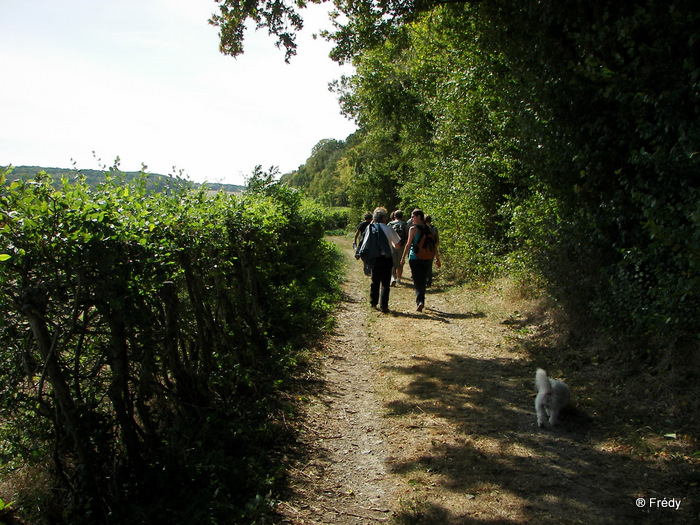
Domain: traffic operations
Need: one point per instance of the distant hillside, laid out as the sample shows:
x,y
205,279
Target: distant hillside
x,y
328,173
156,182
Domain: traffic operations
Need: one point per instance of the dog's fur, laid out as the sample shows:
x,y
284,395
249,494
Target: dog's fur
x,y
553,395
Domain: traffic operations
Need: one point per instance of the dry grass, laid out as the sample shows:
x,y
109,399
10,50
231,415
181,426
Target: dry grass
x,y
457,384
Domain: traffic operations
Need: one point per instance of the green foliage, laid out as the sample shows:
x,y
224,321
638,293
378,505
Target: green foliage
x,y
336,220
4,506
609,106
145,336
281,18
325,175
546,138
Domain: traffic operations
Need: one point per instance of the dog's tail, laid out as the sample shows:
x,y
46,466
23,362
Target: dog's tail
x,y
542,381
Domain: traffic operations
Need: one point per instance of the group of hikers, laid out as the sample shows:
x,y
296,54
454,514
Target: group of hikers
x,y
384,243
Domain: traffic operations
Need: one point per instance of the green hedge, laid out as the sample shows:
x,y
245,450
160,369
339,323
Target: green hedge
x,y
144,341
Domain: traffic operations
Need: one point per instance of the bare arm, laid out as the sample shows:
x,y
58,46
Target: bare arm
x,y
409,241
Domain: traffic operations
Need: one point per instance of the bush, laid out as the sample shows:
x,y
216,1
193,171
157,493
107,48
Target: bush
x,y
336,220
144,339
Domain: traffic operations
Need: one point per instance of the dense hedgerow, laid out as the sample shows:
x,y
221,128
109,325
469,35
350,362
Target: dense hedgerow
x,y
144,339
552,141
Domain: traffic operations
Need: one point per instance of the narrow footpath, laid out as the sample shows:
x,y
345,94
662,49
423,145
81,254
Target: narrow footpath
x,y
428,418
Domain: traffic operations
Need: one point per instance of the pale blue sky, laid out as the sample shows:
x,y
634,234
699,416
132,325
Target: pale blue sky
x,y
144,80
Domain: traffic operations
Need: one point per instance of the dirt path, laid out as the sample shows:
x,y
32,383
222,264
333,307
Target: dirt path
x,y
424,418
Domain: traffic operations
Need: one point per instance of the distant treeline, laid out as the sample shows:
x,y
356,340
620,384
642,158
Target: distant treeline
x,y
155,181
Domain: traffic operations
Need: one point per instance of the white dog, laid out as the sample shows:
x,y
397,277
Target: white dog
x,y
553,395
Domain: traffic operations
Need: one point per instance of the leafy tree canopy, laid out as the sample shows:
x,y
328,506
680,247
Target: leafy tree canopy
x,y
358,24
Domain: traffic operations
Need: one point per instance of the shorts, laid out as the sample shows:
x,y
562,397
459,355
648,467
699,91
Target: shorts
x,y
396,254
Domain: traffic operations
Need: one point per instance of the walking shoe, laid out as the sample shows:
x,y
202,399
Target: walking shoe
x,y
420,307
385,310
393,282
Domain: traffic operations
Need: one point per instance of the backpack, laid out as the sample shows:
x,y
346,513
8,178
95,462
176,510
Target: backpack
x,y
400,227
426,248
376,244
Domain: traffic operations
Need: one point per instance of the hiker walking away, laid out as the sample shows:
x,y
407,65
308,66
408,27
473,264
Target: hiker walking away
x,y
376,253
359,237
400,226
429,224
420,249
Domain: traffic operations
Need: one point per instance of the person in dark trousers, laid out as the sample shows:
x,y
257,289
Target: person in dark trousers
x,y
376,247
419,267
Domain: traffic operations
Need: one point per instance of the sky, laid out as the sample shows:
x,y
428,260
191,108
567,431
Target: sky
x,y
87,81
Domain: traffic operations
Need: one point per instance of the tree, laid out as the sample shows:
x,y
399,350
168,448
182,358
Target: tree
x,y
559,134
279,17
321,176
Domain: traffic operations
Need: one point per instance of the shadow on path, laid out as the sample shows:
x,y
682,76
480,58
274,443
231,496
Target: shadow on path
x,y
560,474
